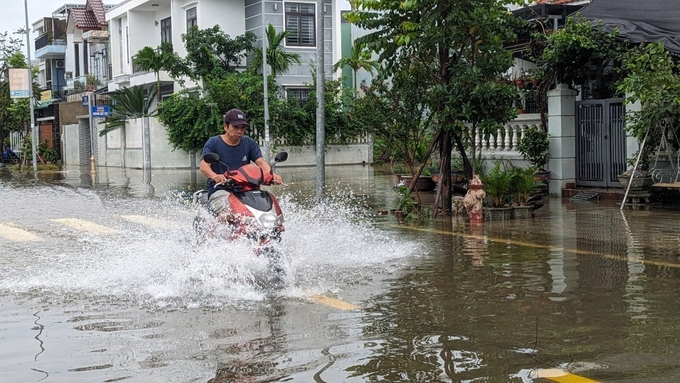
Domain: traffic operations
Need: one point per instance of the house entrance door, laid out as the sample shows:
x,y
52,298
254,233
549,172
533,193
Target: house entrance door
x,y
600,142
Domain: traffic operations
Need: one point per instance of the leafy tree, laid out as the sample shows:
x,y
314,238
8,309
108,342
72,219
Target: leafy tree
x,y
561,55
190,120
652,79
155,60
128,104
402,123
278,58
192,117
338,128
211,53
14,113
461,43
358,58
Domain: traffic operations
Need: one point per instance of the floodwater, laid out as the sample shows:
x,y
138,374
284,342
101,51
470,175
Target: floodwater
x,y
102,280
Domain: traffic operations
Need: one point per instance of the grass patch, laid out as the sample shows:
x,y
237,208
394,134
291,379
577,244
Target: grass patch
x,y
29,168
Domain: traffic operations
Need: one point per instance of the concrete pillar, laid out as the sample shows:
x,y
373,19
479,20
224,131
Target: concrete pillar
x,y
632,145
562,130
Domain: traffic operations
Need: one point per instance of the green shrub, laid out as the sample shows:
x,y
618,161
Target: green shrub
x,y
534,145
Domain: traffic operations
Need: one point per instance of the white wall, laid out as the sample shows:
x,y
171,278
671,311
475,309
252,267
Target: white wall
x,y
114,149
142,31
69,145
229,15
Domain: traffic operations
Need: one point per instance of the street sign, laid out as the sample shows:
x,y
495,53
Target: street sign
x,y
101,111
86,100
18,83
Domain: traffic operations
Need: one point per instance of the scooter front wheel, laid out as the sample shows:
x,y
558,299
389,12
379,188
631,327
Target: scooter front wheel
x,y
276,270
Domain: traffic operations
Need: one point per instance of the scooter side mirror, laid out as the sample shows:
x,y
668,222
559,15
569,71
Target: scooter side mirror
x,y
281,157
211,158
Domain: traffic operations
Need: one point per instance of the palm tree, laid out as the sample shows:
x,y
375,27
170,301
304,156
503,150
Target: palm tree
x,y
277,57
149,59
128,104
358,58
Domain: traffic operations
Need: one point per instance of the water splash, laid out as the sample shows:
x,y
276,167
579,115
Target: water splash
x,y
327,247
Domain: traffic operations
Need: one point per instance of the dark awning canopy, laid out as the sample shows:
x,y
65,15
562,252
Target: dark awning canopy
x,y
639,20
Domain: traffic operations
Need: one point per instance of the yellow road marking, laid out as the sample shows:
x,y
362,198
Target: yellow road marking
x,y
336,303
149,221
15,234
561,376
86,226
539,246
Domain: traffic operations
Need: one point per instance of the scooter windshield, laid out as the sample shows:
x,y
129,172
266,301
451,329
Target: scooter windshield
x,y
257,199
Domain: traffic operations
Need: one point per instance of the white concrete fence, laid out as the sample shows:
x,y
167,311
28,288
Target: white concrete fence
x,y
124,147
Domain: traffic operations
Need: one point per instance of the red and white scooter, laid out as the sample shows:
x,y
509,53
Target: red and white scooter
x,y
252,213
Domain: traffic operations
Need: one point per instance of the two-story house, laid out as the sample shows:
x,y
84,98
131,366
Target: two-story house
x,y
50,53
135,24
71,52
87,55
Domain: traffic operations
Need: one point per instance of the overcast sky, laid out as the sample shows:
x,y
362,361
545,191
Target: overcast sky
x,y
13,15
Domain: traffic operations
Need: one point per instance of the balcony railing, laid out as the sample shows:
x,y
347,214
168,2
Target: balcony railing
x,y
86,83
136,68
46,39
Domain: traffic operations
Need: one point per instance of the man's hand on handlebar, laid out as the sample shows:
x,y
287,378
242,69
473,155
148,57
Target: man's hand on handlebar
x,y
219,179
277,180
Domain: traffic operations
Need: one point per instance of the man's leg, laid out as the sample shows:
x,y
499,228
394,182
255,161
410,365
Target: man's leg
x,y
219,204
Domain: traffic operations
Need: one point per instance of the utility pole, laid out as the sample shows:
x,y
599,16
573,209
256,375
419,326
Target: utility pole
x,y
320,107
266,91
34,136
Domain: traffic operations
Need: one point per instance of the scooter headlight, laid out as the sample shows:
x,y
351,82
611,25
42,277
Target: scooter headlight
x,y
268,220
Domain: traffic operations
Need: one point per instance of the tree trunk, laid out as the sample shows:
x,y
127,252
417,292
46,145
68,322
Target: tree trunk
x,y
445,172
467,166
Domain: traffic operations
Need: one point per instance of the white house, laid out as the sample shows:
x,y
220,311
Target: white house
x,y
134,24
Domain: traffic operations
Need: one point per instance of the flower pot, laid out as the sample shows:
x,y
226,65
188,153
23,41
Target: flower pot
x,y
642,181
457,176
497,213
542,176
423,183
522,212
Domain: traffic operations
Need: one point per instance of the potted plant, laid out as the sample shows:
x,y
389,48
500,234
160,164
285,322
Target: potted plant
x,y
523,185
498,183
534,145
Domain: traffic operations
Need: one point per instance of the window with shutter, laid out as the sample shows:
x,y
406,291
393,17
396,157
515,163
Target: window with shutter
x,y
301,25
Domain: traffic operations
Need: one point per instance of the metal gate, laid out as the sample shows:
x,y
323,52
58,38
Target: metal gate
x,y
600,142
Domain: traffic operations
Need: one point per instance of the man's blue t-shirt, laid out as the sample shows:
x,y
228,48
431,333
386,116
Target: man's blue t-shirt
x,y
246,151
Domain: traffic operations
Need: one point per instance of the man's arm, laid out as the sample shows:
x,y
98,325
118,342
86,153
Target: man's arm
x,y
266,168
207,171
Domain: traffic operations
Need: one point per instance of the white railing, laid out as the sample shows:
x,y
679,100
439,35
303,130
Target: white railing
x,y
506,139
16,141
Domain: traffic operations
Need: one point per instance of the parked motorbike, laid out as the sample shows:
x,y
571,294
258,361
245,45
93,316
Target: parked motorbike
x,y
252,213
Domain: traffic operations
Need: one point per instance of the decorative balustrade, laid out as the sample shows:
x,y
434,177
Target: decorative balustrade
x,y
507,138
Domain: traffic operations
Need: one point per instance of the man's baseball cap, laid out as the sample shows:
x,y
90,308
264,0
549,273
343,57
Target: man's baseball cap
x,y
235,117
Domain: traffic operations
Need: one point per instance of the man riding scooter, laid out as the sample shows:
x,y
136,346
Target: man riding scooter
x,y
235,149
